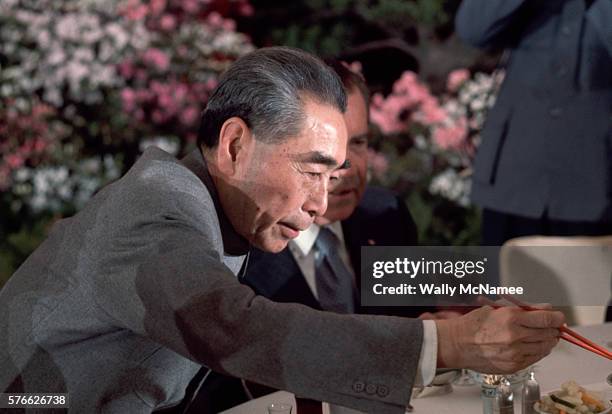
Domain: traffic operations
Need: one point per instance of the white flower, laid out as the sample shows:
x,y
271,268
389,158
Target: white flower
x,y
67,28
83,54
56,56
118,35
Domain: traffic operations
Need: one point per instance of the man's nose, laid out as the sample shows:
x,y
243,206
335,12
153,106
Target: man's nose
x,y
316,203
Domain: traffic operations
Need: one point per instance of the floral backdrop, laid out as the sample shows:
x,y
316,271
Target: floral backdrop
x,y
87,85
424,147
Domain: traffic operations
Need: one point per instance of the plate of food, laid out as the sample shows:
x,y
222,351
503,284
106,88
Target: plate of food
x,y
574,399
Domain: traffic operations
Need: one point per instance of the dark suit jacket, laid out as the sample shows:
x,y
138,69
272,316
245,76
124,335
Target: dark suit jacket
x,y
547,142
381,219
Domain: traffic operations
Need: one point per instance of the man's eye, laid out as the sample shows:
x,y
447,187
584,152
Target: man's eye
x,y
314,174
359,142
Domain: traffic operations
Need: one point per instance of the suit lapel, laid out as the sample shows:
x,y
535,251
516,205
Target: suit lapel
x,y
278,277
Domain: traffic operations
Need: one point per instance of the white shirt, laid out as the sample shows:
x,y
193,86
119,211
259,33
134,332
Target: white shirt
x,y
302,250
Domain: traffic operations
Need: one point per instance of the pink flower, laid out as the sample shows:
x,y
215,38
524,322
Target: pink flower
x,y
167,104
157,58
190,6
40,145
430,112
189,116
157,6
180,91
246,9
456,78
214,19
126,69
128,99
167,22
406,82
453,137
385,114
135,11
14,160
211,83
229,25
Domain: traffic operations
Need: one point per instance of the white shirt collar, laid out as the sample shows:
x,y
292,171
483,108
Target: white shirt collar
x,y
306,240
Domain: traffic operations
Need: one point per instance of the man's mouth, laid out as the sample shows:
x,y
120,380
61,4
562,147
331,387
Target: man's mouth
x,y
291,231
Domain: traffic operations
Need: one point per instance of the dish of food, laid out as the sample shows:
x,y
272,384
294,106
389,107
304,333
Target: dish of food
x,y
573,399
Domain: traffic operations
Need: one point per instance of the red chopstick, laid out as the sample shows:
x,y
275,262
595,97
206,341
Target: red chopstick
x,y
574,341
564,329
566,333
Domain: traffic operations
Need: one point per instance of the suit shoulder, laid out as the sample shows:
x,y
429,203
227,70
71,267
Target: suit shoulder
x,y
380,200
157,187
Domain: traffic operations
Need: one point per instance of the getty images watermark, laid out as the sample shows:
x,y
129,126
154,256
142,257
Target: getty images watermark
x,y
457,276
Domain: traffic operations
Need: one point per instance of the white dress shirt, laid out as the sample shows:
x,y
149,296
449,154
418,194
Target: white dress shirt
x,y
302,250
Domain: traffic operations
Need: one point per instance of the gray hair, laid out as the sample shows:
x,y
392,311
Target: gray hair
x,y
266,89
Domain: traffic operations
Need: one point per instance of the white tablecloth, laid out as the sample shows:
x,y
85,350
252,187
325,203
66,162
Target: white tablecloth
x,y
566,362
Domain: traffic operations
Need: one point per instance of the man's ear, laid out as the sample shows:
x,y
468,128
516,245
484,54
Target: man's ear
x,y
234,138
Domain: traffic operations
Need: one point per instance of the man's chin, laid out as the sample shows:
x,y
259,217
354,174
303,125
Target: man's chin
x,y
271,246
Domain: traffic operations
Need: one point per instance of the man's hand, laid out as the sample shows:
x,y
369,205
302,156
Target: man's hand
x,y
444,314
497,341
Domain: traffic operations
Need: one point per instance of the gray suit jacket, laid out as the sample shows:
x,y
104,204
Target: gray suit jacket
x,y
124,302
547,143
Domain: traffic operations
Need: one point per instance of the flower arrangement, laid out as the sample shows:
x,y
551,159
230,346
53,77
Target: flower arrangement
x,y
428,142
82,79
86,85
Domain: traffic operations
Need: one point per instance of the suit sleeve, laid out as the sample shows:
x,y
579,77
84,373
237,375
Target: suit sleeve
x,y
182,296
600,16
489,23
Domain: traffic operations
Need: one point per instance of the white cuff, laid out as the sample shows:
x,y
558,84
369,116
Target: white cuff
x,y
429,355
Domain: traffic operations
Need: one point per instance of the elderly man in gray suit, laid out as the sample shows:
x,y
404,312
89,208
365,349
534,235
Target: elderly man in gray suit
x,y
124,302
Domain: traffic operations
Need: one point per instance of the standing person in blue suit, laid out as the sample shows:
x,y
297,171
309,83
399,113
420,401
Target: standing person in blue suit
x,y
545,162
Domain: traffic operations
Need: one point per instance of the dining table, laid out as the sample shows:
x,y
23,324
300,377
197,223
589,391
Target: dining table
x,y
565,362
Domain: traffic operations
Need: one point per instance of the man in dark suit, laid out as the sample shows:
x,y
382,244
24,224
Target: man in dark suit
x,y
545,162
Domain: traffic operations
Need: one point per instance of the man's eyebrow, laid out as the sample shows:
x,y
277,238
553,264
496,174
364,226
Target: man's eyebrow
x,y
316,157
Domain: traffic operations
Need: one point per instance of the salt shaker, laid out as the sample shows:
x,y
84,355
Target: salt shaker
x,y
531,393
487,394
504,397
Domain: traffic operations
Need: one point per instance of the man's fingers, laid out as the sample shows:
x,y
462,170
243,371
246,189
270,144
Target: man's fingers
x,y
543,306
540,334
537,348
541,319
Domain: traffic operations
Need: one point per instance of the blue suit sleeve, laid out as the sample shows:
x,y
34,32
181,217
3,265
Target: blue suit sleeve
x,y
600,16
488,23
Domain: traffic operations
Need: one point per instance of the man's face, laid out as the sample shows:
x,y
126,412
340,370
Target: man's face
x,y
346,193
283,187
